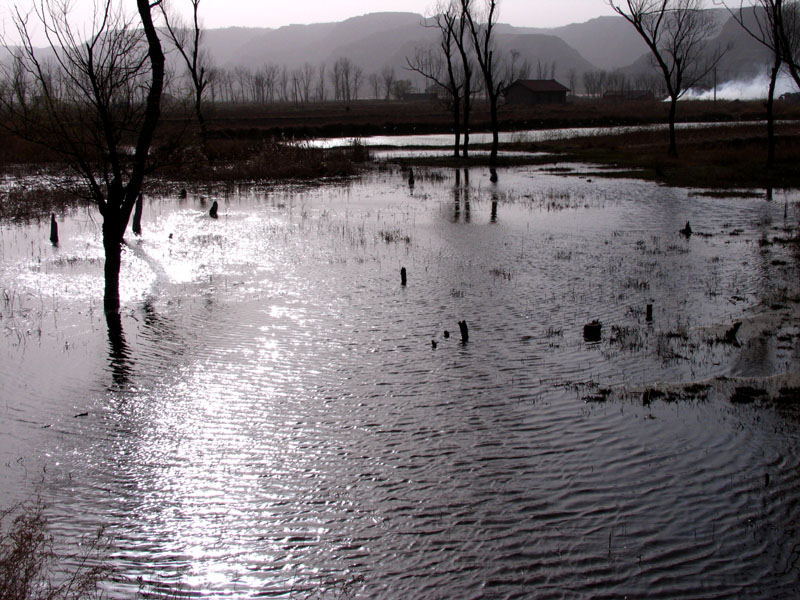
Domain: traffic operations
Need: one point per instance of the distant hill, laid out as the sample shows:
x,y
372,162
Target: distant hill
x,y
606,42
374,41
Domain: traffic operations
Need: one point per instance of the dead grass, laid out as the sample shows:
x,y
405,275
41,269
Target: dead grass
x,y
22,204
238,160
719,157
30,568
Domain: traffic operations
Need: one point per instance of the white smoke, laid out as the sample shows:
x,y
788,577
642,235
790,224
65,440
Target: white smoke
x,y
756,88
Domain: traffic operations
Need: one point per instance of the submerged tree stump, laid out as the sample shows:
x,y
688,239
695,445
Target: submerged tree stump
x,y
462,325
593,332
53,229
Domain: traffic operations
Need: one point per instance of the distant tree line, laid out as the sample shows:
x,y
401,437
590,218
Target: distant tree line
x,y
598,83
343,81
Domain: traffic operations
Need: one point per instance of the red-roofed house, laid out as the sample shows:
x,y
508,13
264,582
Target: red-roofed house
x,y
536,91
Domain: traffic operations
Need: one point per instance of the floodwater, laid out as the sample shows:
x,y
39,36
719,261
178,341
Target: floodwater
x,y
442,140
275,421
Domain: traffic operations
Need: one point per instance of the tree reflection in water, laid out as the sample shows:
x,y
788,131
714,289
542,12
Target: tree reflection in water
x,y
119,355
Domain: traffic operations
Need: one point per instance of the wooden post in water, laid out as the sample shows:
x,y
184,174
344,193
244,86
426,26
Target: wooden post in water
x,y
462,325
402,276
53,230
137,216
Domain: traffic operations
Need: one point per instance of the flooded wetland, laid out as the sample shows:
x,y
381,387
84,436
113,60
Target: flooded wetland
x,y
279,416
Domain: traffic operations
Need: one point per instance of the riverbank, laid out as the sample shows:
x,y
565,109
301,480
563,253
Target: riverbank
x,y
711,158
268,143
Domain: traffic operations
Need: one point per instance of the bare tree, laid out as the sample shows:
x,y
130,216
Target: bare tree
x,y
676,32
294,78
769,22
188,43
306,77
461,40
357,81
242,78
572,77
283,83
440,67
789,31
102,116
387,77
320,89
374,82
482,23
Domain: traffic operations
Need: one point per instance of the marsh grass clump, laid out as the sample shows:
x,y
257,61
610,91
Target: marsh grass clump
x,y
394,236
627,338
26,204
692,391
747,395
633,283
599,396
499,272
30,568
273,160
788,396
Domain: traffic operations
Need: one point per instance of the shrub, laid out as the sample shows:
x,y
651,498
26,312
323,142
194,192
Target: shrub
x,y
30,569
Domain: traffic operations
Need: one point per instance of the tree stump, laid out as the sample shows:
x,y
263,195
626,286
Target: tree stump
x,y
53,229
462,325
593,332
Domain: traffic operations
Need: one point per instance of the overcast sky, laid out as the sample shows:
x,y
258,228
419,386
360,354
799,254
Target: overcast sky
x,y
257,13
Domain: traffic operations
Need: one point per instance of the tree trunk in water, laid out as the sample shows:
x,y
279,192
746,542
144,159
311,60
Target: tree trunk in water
x,y
456,128
771,115
673,109
467,107
137,216
495,129
118,353
112,244
202,122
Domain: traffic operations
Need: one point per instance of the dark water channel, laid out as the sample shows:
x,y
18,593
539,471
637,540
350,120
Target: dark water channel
x,y
276,421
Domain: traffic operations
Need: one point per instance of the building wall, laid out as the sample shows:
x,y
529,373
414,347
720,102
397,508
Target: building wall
x,y
520,95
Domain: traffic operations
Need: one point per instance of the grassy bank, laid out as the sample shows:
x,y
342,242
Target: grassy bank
x,y
715,158
264,143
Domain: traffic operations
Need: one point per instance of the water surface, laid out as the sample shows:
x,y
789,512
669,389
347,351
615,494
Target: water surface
x,y
275,419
